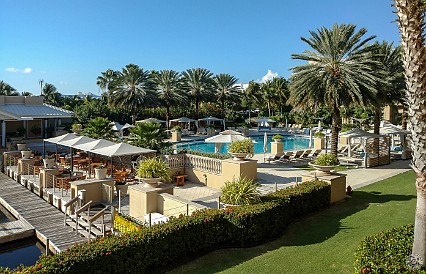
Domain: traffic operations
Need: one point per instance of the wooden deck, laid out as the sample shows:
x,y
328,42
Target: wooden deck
x,y
47,221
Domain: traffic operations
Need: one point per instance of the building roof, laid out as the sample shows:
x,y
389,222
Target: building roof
x,y
29,112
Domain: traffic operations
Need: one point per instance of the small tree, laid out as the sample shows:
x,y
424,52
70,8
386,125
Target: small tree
x,y
149,135
98,128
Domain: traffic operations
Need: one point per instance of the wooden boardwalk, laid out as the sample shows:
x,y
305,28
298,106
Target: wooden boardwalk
x,y
47,221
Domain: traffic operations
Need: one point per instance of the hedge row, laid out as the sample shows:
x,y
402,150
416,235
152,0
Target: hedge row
x,y
386,252
126,223
157,248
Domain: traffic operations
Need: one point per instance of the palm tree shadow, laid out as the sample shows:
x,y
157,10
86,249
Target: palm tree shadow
x,y
317,228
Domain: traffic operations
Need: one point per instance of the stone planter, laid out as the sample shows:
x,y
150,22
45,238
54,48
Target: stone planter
x,y
100,173
277,140
325,169
238,156
21,147
26,154
176,136
151,182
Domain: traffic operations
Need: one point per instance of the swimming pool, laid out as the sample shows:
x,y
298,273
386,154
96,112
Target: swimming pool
x,y
290,143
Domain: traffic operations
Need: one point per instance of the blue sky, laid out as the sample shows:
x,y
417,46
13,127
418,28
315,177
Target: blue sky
x,y
69,43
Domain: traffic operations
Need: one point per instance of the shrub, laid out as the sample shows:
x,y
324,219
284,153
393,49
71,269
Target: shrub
x,y
126,223
327,160
241,191
177,128
277,137
319,134
242,146
76,127
160,247
386,252
153,168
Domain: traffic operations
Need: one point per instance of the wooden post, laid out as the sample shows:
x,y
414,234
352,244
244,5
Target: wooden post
x,y
149,219
187,209
276,187
119,201
218,202
47,246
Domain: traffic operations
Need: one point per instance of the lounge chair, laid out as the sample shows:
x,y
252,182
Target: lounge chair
x,y
305,154
296,155
286,156
315,153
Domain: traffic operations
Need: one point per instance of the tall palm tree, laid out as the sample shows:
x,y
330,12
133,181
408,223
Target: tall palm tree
x,y
106,79
199,83
169,84
51,95
8,90
131,89
392,89
26,93
280,87
338,72
226,89
268,95
411,27
250,94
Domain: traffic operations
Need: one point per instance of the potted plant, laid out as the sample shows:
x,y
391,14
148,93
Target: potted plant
x,y
177,129
241,149
100,172
325,163
76,128
319,134
240,191
277,138
153,170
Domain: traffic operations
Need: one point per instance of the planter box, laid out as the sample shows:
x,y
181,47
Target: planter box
x,y
100,173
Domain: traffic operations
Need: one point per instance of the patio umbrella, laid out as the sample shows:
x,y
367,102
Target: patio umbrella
x,y
230,132
221,139
116,126
265,144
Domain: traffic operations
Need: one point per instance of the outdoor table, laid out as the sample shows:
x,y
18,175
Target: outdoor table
x,y
180,180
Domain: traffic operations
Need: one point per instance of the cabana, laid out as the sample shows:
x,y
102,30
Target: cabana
x,y
210,120
264,124
116,126
376,147
392,131
184,120
151,120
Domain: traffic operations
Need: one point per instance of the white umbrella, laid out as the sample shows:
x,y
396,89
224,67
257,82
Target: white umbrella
x,y
221,139
116,126
151,120
265,143
230,132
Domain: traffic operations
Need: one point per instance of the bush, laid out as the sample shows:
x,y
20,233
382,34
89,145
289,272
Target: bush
x,y
327,160
240,191
386,252
160,247
242,146
319,134
277,137
153,168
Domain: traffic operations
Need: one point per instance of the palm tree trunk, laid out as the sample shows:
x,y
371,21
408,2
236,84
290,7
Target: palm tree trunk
x,y
167,116
133,118
335,129
377,116
404,118
197,106
223,108
410,21
269,108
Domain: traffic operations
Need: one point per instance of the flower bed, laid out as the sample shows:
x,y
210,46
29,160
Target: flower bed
x,y
160,247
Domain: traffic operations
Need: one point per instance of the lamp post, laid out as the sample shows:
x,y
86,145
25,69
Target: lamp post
x,y
41,86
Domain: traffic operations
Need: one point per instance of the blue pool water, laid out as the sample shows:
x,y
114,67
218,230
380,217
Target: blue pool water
x,y
290,143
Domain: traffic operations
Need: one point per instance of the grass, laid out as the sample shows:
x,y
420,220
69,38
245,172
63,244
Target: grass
x,y
324,242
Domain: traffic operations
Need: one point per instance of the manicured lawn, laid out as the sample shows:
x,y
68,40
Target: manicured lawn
x,y
324,242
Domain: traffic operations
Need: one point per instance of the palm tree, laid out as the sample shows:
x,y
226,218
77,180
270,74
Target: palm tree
x,y
51,95
148,135
339,72
98,128
6,89
106,79
411,27
131,89
169,84
392,89
199,83
268,95
250,94
26,93
280,87
226,89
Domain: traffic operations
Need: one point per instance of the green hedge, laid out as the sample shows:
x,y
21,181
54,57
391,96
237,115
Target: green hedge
x,y
160,247
386,252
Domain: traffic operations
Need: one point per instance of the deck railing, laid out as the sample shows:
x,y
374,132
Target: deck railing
x,y
196,162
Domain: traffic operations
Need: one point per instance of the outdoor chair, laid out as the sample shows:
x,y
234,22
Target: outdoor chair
x,y
296,155
305,154
315,153
286,157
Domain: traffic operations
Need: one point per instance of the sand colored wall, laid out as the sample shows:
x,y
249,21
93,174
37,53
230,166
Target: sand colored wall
x,y
176,136
95,190
43,175
170,205
277,148
319,143
337,182
144,200
25,166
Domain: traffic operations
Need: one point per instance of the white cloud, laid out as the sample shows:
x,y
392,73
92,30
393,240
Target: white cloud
x,y
14,70
269,76
63,83
27,70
